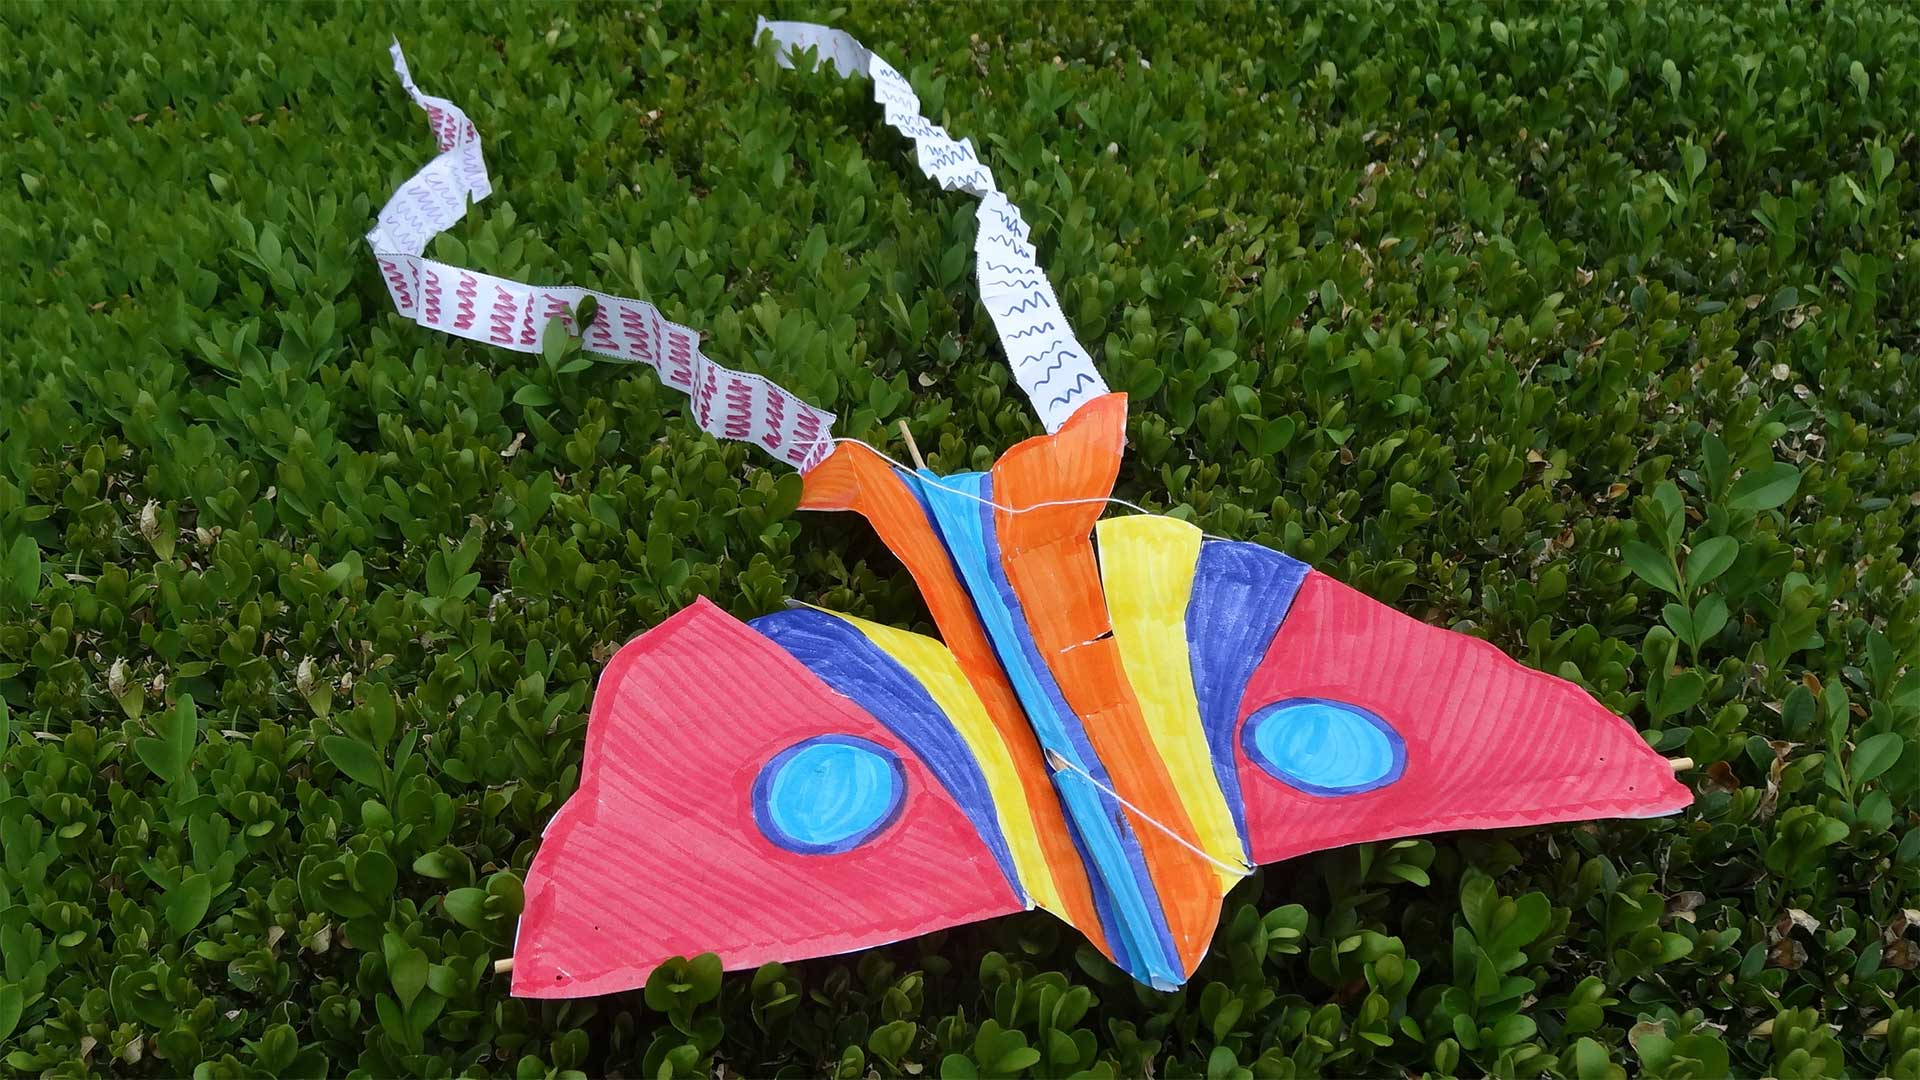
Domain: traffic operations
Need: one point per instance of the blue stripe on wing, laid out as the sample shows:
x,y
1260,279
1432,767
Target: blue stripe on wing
x,y
849,662
1241,594
1123,888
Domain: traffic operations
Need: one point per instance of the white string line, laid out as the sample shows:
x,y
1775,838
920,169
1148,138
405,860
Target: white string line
x,y
1236,869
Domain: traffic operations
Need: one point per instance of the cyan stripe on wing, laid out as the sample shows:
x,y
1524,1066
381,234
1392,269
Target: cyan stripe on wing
x,y
849,662
966,524
1241,594
1103,901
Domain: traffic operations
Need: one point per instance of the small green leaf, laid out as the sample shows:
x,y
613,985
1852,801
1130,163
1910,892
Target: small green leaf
x,y
1478,899
409,974
1693,158
554,345
437,864
170,756
1650,566
1764,488
1531,914
356,759
393,1020
1683,690
1411,873
1513,1029
891,1040
1709,559
1670,74
22,575
1672,512
703,974
184,730
1876,755
12,1003
1681,619
375,874
1013,1061
279,1045
467,907
1709,618
186,903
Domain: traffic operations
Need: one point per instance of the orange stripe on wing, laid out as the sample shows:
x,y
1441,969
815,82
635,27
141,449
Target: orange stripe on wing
x,y
1050,563
855,478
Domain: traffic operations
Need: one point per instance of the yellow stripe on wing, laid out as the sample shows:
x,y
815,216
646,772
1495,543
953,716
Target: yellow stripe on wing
x,y
929,661
1146,567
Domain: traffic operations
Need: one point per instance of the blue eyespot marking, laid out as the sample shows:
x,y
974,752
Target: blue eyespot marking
x,y
1324,747
828,794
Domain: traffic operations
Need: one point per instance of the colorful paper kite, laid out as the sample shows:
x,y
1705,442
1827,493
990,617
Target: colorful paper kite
x,y
1122,716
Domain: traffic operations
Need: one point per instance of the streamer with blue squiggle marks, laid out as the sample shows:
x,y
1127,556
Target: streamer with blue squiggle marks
x,y
1048,361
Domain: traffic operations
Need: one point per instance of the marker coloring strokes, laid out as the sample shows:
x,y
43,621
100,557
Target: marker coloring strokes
x,y
1120,719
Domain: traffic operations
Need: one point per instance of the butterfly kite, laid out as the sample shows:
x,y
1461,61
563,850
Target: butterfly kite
x,y
1120,719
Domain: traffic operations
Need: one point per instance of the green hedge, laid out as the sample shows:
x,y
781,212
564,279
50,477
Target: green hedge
x,y
1590,330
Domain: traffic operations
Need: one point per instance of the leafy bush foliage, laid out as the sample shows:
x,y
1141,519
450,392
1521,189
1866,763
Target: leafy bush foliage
x,y
1589,330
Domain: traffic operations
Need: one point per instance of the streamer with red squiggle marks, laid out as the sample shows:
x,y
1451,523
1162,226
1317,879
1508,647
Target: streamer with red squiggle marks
x,y
513,315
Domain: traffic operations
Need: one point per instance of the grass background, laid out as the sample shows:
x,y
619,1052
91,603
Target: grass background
x,y
1587,329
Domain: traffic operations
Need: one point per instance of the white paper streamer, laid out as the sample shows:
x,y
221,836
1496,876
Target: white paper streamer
x,y
513,315
1049,363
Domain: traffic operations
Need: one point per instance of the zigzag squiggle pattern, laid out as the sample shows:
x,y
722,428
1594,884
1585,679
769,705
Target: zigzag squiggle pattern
x,y
730,405
1071,390
1025,311
1061,355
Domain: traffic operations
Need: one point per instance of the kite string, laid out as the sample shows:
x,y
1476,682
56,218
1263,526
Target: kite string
x,y
965,494
1237,869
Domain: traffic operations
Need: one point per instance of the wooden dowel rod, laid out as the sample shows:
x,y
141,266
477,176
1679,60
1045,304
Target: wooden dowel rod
x,y
501,967
913,450
1680,764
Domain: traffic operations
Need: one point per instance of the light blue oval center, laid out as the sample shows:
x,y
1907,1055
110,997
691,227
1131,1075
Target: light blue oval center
x,y
1324,747
828,794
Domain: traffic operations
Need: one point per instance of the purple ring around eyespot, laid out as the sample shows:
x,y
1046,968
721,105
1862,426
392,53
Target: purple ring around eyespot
x,y
766,814
1391,770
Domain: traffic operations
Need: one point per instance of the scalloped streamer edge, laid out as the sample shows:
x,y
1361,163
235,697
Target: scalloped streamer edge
x,y
1049,363
513,315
